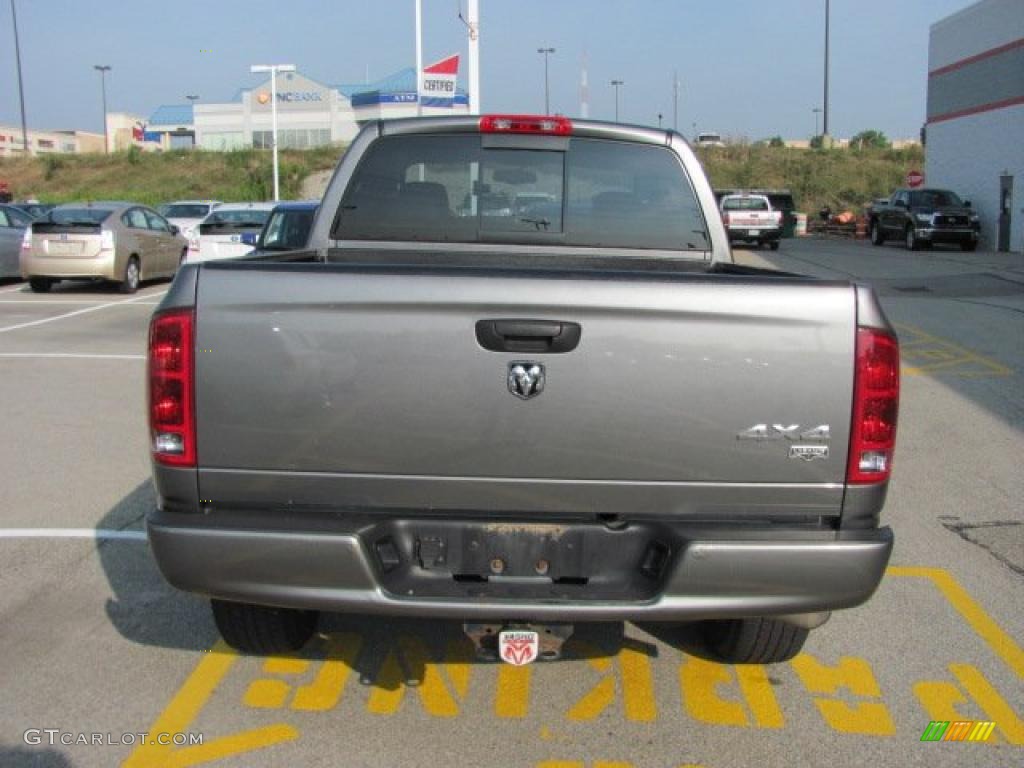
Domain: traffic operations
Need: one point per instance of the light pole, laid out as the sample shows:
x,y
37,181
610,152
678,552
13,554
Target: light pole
x,y
546,51
615,85
824,131
21,92
816,111
103,69
273,69
659,119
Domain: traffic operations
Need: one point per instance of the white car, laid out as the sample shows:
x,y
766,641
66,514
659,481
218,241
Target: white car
x,y
230,231
750,218
186,214
709,140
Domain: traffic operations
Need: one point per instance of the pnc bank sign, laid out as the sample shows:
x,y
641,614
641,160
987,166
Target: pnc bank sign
x,y
290,97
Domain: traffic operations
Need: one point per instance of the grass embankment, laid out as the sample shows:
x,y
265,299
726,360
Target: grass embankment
x,y
154,178
844,179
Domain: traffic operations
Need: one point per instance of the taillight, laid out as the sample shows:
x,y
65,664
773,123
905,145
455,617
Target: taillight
x,y
106,240
876,396
725,219
541,124
172,423
26,240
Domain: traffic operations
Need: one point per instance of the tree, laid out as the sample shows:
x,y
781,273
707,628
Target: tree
x,y
870,139
817,142
776,141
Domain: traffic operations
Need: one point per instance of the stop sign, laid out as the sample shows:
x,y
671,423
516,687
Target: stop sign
x,y
915,179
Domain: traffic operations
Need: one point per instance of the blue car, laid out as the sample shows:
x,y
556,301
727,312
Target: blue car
x,y
287,228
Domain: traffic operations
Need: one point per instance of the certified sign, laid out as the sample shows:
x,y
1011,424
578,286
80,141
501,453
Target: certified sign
x,y
437,86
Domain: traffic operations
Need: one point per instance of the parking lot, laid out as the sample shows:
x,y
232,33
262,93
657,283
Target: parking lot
x,y
94,641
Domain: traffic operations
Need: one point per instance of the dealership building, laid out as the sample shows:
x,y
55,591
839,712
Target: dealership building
x,y
975,129
309,113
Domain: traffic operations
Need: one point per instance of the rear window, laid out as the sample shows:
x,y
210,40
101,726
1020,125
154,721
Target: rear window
x,y
185,210
745,204
74,216
245,219
453,189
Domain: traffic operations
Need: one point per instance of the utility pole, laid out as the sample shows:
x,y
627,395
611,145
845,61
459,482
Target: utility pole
x,y
825,127
21,90
474,56
615,85
545,52
273,69
816,111
675,100
103,69
419,57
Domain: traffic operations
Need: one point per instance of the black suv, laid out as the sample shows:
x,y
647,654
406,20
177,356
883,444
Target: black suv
x,y
921,217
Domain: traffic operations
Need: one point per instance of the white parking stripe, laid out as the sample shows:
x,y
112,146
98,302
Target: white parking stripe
x,y
71,356
71,533
54,301
78,312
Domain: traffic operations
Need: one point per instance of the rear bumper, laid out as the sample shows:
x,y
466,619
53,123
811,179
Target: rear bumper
x,y
743,233
101,265
695,574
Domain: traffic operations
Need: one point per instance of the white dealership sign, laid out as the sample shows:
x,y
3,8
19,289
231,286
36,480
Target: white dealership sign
x,y
437,85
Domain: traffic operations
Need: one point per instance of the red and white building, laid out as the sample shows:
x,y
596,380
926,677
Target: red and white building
x,y
975,128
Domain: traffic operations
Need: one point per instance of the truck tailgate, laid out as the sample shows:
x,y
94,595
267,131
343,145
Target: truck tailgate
x,y
367,389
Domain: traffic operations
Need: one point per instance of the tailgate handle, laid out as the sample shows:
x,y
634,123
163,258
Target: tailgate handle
x,y
528,335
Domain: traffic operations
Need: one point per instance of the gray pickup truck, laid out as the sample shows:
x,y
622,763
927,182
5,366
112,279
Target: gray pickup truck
x,y
517,380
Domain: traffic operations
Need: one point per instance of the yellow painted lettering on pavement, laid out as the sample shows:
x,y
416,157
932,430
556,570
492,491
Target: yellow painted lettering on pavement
x,y
636,684
272,693
512,697
439,697
943,700
702,682
855,676
325,691
185,707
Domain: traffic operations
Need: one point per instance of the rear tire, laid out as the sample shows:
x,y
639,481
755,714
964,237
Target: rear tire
x,y
910,239
877,238
130,282
40,284
754,641
262,630
774,245
969,245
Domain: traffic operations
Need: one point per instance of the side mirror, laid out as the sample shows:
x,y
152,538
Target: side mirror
x,y
967,203
900,204
175,229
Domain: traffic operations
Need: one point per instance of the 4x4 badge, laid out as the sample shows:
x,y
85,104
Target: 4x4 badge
x,y
525,379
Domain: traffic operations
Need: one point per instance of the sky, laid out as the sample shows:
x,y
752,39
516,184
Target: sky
x,y
747,68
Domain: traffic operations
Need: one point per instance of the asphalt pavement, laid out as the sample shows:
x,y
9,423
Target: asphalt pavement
x,y
102,660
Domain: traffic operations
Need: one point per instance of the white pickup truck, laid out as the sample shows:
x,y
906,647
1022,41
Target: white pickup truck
x,y
750,218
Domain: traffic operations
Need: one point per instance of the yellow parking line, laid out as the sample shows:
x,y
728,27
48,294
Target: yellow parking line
x,y
982,624
920,339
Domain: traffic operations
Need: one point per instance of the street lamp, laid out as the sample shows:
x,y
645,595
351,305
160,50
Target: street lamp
x,y
21,91
103,69
816,111
192,97
659,119
273,69
615,85
546,51
825,102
